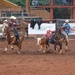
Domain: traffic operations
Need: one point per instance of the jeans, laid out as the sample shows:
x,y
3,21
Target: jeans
x,y
51,40
15,31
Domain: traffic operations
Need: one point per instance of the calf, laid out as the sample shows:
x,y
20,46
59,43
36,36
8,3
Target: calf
x,y
43,42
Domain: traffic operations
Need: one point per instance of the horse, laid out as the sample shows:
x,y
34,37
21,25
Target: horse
x,y
44,43
12,40
60,37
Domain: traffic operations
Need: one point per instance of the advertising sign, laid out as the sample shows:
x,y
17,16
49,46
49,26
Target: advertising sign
x,y
1,29
72,29
43,28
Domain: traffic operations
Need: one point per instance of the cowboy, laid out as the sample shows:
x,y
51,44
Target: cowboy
x,y
12,24
5,24
49,34
64,33
66,27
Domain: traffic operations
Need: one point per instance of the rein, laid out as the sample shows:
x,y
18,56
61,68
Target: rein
x,y
58,40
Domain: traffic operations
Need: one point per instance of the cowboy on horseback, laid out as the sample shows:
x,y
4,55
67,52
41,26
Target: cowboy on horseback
x,y
61,38
12,24
66,27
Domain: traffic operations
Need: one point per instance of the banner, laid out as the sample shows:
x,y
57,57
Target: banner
x,y
1,29
43,28
72,29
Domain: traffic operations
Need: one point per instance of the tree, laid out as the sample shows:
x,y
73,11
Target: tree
x,y
18,2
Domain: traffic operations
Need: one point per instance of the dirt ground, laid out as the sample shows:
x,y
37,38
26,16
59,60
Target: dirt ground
x,y
32,62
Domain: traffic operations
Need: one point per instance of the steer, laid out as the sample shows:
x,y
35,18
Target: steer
x,y
43,42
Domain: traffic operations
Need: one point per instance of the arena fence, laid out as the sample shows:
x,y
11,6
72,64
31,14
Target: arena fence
x,y
58,22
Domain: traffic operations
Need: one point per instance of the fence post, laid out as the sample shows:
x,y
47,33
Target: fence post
x,y
56,24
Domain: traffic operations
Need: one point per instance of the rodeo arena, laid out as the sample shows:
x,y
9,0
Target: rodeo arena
x,y
33,42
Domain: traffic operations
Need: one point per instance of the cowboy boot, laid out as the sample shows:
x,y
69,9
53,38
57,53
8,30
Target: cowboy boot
x,y
17,39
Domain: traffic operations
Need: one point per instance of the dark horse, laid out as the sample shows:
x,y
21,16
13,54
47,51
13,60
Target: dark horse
x,y
60,37
12,40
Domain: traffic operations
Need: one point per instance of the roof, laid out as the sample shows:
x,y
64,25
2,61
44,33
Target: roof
x,y
7,5
11,3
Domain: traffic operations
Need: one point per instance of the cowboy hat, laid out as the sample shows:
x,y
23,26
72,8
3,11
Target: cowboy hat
x,y
66,20
13,17
5,20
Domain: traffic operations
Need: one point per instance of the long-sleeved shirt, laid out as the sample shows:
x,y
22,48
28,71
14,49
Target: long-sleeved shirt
x,y
66,27
49,35
13,24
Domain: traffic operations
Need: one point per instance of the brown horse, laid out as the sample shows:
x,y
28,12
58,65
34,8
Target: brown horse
x,y
12,40
60,38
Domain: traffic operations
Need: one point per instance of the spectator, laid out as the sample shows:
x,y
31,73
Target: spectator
x,y
35,3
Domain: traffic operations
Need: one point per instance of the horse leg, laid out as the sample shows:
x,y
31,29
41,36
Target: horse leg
x,y
13,41
18,51
60,48
19,48
6,48
27,33
66,46
54,46
12,47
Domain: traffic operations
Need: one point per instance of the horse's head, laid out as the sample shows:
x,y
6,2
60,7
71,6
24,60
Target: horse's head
x,y
58,36
7,31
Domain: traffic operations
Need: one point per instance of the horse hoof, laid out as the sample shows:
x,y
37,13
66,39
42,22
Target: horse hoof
x,y
48,51
18,52
60,52
65,50
43,51
39,50
4,51
12,48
